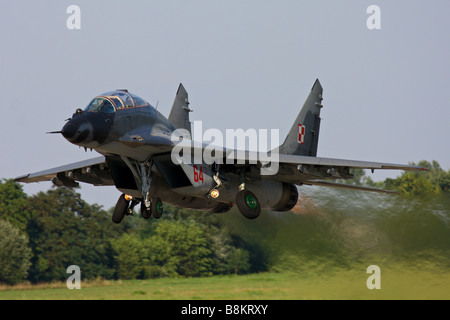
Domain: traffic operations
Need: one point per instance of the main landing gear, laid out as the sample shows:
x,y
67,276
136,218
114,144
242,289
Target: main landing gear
x,y
126,204
248,204
246,200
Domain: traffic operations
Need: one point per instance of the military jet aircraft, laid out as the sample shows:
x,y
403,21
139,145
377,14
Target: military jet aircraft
x,y
136,141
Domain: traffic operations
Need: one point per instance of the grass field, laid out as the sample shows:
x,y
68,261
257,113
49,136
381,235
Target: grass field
x,y
265,286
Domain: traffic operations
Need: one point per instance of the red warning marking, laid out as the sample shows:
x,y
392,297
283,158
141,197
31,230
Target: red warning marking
x,y
301,133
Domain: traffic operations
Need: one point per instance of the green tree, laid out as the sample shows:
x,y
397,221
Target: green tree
x,y
130,255
238,261
444,181
410,184
432,181
64,230
436,174
180,249
15,254
13,204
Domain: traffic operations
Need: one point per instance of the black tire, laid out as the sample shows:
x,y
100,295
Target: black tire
x,y
146,213
157,208
248,204
120,209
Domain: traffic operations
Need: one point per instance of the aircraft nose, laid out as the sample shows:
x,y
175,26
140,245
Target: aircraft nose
x,y
77,130
68,131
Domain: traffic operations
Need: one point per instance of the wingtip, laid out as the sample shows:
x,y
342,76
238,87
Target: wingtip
x,y
22,178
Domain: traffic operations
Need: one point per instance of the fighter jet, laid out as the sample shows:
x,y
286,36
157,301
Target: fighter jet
x,y
137,144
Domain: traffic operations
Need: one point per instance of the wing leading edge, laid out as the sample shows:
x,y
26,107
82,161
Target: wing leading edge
x,y
352,164
94,171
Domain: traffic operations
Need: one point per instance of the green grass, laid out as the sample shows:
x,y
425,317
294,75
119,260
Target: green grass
x,y
346,284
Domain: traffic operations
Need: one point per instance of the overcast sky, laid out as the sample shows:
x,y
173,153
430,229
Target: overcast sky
x,y
245,64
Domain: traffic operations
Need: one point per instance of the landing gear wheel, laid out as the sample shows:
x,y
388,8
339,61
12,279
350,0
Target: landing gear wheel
x,y
120,210
146,213
248,204
157,208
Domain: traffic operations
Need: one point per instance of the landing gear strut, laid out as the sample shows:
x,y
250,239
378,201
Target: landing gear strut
x,y
148,206
146,213
146,179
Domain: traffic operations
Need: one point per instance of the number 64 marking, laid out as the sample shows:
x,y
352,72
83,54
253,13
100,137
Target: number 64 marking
x,y
198,175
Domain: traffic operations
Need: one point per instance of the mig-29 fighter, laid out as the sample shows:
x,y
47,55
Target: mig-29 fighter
x,y
136,143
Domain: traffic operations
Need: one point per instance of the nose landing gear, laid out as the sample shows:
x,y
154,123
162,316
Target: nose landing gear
x,y
155,208
142,173
126,204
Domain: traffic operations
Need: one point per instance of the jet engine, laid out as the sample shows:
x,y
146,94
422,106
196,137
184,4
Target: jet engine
x,y
289,197
274,195
265,194
268,194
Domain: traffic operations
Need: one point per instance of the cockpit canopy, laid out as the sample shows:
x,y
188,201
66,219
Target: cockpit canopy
x,y
111,101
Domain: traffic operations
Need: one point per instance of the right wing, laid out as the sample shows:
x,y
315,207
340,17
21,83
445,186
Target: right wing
x,y
94,171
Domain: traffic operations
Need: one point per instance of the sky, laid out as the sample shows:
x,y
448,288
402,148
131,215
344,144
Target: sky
x,y
245,64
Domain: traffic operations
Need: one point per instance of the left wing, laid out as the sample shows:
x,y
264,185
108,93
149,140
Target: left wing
x,y
311,170
94,171
308,170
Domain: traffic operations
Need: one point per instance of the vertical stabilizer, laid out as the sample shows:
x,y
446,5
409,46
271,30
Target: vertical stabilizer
x,y
179,115
303,138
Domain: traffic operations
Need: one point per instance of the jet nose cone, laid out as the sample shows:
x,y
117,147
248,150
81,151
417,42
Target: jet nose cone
x,y
78,131
68,131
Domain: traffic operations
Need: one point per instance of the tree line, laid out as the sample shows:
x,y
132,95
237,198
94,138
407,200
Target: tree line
x,y
41,235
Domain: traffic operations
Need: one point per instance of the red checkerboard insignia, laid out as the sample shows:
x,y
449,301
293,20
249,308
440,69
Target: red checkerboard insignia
x,y
301,133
